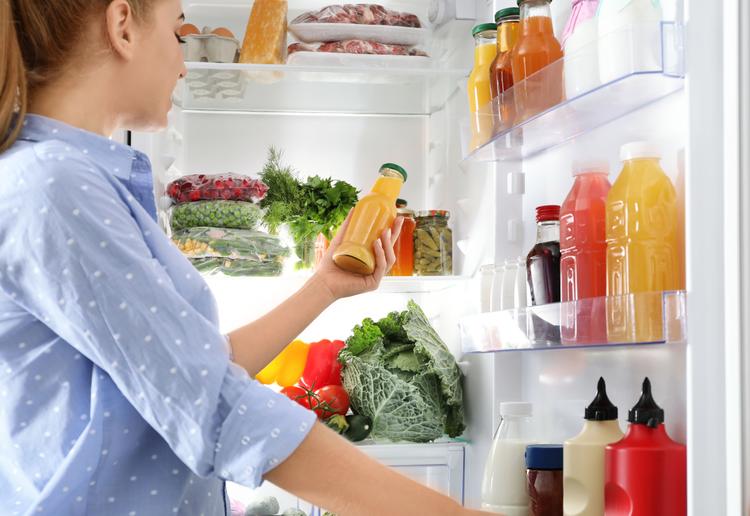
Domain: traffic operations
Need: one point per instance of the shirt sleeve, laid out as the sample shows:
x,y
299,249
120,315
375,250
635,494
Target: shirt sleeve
x,y
75,258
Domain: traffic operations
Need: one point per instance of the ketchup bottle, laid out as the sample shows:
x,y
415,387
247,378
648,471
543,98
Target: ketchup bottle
x,y
645,472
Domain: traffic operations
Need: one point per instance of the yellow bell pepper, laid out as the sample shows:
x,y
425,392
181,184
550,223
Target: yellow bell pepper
x,y
288,366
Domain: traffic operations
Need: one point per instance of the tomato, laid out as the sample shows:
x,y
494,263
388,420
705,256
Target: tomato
x,y
332,399
298,394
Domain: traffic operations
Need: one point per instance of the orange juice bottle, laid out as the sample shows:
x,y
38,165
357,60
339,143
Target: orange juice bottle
x,y
373,213
485,50
643,254
536,49
501,72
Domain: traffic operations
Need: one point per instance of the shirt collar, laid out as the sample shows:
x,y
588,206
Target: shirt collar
x,y
115,157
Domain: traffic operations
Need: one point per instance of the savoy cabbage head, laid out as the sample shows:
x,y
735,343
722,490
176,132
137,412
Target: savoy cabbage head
x,y
399,373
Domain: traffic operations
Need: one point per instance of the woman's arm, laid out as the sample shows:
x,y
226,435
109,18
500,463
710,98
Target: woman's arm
x,y
329,471
256,344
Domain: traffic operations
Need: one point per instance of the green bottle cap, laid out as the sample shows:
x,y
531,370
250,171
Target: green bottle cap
x,y
482,27
395,168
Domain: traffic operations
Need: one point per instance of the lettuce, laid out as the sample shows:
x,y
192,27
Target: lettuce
x,y
399,373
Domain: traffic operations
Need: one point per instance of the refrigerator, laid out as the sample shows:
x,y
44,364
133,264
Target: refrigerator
x,y
343,119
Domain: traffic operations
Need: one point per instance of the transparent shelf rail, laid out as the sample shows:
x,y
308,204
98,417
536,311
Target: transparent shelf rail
x,y
578,94
400,90
635,319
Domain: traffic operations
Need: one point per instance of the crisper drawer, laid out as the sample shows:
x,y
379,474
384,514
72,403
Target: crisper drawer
x,y
439,466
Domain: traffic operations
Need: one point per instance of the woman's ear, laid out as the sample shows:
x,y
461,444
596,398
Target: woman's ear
x,y
120,28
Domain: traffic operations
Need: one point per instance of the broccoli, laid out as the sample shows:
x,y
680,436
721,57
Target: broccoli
x,y
364,337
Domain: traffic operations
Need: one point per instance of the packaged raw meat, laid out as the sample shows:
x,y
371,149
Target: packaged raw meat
x,y
245,244
360,14
356,46
232,267
223,214
229,187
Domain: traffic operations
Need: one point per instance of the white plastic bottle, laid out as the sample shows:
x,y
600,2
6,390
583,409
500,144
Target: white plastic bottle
x,y
583,457
629,37
504,483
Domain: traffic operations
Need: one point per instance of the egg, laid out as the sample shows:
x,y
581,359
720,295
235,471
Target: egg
x,y
188,29
223,32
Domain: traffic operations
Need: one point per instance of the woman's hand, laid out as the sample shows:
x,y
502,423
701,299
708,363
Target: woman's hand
x,y
341,283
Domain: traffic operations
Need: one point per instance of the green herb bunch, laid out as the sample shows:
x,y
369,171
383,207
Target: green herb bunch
x,y
317,205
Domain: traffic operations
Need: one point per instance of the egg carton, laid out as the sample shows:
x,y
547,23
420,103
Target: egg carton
x,y
209,47
215,84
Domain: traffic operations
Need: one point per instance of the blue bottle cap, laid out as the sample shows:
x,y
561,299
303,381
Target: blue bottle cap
x,y
544,456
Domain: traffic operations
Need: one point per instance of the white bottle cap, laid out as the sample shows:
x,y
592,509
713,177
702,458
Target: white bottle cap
x,y
636,150
516,408
590,167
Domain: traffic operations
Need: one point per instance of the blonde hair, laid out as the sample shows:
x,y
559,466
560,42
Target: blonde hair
x,y
37,38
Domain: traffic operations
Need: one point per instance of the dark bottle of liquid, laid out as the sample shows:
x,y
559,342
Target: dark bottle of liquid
x,y
543,261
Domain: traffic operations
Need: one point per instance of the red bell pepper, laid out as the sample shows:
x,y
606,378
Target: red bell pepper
x,y
322,367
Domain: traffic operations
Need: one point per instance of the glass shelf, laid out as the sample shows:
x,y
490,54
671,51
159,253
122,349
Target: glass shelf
x,y
316,89
574,96
635,319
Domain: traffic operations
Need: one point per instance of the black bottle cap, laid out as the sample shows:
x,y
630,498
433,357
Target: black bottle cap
x,y
601,409
646,411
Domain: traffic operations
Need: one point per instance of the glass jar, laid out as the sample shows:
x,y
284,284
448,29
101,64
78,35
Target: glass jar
x,y
404,246
433,244
544,472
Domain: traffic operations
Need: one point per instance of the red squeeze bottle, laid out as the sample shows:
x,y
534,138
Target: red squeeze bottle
x,y
646,471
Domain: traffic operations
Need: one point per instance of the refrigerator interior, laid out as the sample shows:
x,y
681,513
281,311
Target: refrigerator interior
x,y
345,124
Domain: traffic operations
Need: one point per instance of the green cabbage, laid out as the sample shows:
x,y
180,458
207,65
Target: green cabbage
x,y
399,373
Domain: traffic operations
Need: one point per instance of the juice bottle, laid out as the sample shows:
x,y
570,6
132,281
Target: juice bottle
x,y
583,250
375,212
543,261
583,457
485,50
501,73
404,246
535,49
643,256
645,472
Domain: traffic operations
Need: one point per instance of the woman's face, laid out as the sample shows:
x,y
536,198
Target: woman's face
x,y
155,66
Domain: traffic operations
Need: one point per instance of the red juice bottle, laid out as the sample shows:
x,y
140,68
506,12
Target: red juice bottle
x,y
543,261
583,249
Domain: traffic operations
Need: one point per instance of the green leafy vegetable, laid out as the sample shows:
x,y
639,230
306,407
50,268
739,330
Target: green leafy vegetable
x,y
411,388
317,205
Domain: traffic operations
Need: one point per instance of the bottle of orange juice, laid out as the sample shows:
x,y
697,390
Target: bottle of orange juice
x,y
480,94
373,213
536,49
643,254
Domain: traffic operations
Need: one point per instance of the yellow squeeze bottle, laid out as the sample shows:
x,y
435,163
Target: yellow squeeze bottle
x,y
643,254
375,212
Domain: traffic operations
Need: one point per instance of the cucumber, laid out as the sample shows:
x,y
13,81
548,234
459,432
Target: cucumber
x,y
359,427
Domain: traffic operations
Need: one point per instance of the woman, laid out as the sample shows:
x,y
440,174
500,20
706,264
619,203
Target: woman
x,y
119,395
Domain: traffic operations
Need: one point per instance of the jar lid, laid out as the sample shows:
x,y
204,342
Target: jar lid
x,y
483,27
547,213
508,12
395,168
544,456
401,203
433,213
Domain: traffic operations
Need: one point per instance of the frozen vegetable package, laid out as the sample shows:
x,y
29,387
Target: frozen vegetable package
x,y
223,214
245,244
229,187
238,267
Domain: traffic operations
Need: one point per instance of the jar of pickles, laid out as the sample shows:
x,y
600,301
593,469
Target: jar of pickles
x,y
404,246
433,244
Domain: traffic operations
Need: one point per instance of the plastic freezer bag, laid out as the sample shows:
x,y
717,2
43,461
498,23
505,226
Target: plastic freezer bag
x,y
222,214
244,244
229,187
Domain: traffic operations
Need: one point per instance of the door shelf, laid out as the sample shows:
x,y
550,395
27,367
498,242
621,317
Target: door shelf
x,y
500,131
629,320
419,89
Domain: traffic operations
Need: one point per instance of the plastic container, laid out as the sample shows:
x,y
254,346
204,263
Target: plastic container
x,y
535,49
642,245
210,47
433,244
583,458
629,37
583,250
582,59
504,481
480,93
404,246
646,472
543,261
374,212
544,472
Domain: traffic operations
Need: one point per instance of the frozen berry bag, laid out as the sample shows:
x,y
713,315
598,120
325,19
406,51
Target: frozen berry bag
x,y
228,187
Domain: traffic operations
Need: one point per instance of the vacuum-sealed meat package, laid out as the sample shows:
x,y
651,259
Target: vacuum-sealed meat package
x,y
356,46
360,14
229,187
